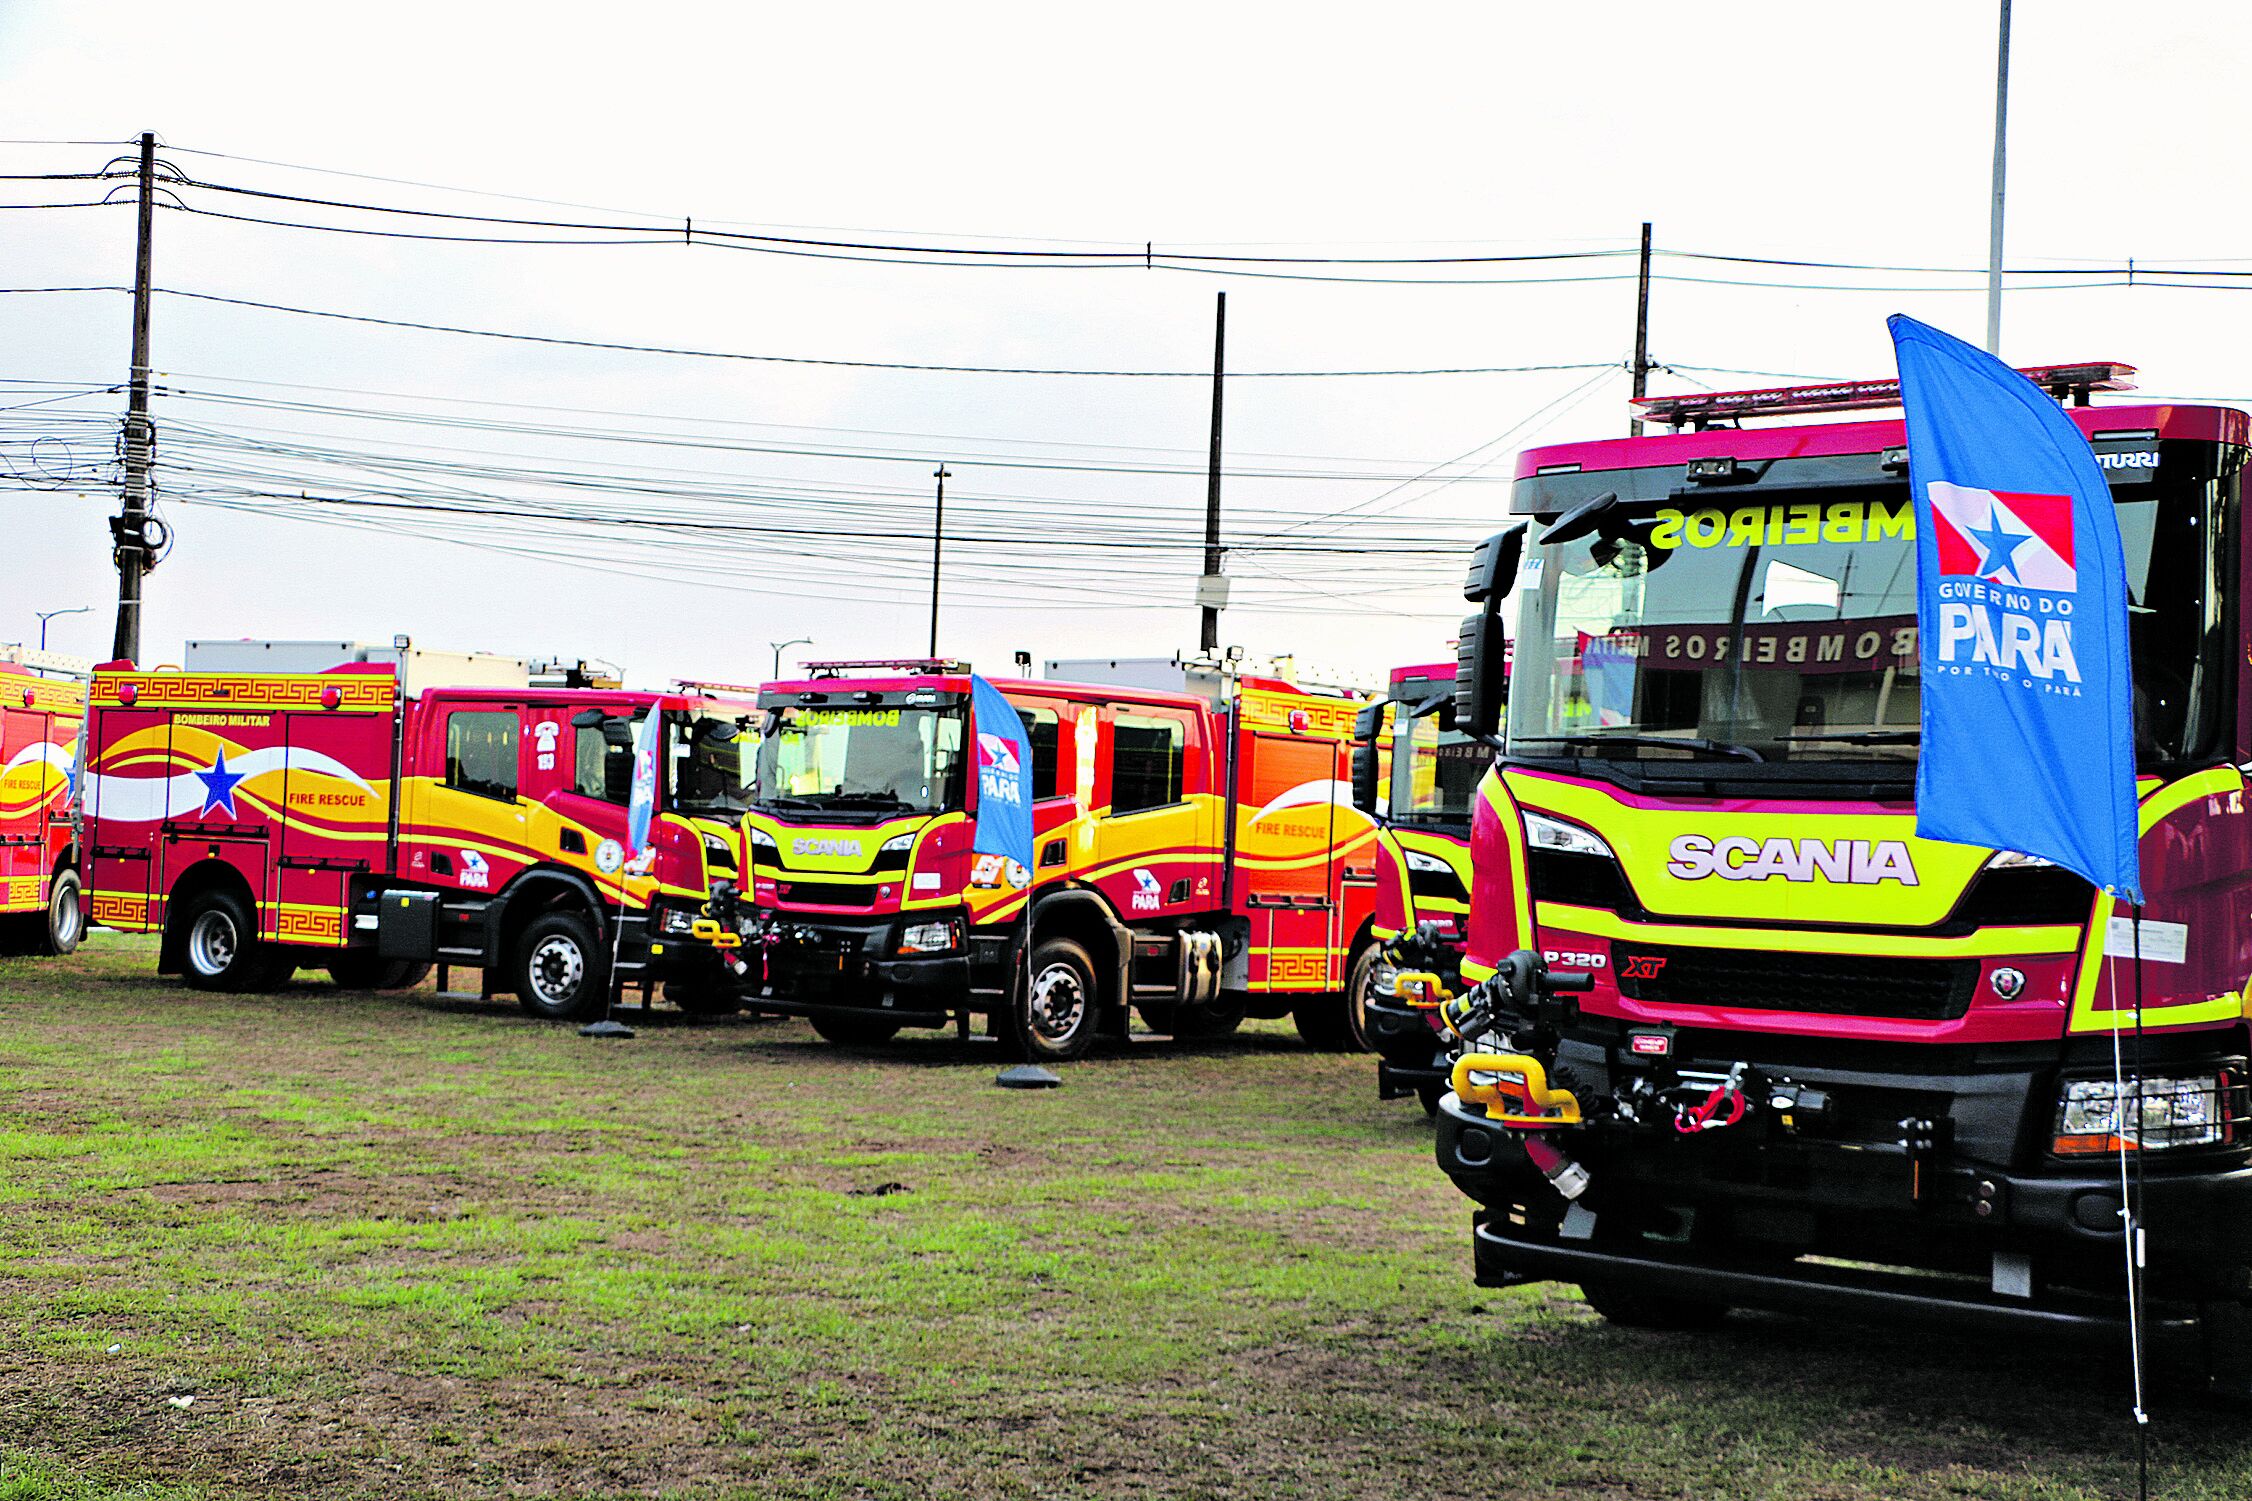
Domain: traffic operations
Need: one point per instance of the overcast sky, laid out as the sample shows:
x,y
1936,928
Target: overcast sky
x,y
1787,131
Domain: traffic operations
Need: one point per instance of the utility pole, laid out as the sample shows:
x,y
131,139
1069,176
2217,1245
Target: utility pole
x,y
938,541
130,528
2001,159
1641,330
1211,593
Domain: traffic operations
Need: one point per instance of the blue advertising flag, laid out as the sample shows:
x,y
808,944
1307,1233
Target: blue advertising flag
x,y
2021,606
641,805
1004,777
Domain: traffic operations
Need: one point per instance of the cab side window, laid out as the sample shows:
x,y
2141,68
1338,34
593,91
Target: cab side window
x,y
603,764
481,753
1041,725
1145,761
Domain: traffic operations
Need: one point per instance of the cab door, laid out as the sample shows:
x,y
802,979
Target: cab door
x,y
1156,847
470,821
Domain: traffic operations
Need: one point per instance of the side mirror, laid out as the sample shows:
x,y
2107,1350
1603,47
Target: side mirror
x,y
1493,566
771,725
1481,652
588,719
715,732
1367,724
1481,681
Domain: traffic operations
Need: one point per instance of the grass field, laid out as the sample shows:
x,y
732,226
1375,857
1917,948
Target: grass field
x,y
406,1245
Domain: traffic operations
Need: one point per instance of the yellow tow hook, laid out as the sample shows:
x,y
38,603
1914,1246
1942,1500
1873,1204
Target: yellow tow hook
x,y
1515,1091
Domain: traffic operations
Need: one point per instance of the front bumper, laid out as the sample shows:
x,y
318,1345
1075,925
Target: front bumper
x,y
1407,1046
831,964
1692,1208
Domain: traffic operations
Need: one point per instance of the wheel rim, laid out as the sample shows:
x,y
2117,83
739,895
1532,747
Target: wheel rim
x,y
1059,1002
67,916
213,942
557,970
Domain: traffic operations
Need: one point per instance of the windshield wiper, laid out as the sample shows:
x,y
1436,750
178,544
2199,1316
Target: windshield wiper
x,y
883,799
1662,742
1863,737
787,800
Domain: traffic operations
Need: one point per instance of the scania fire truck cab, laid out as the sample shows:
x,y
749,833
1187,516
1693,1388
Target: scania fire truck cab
x,y
1193,857
375,810
1417,773
1809,1036
42,703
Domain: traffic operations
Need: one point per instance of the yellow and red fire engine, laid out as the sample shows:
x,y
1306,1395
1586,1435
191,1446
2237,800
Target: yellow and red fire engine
x,y
40,909
1197,856
373,810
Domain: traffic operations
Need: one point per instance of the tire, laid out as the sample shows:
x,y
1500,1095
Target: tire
x,y
1326,1022
1633,1309
850,1030
1360,976
706,998
1062,1007
66,914
1428,1096
368,971
1192,1023
560,971
219,947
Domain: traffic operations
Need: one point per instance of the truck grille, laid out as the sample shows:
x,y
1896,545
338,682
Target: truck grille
x,y
827,893
1823,984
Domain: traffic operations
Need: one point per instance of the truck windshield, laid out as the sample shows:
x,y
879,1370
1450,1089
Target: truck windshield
x,y
1435,767
1784,629
878,761
711,763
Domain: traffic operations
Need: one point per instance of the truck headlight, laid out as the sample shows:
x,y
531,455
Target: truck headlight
x,y
1544,833
2193,1110
932,937
761,838
2012,860
1383,980
1418,860
675,920
897,844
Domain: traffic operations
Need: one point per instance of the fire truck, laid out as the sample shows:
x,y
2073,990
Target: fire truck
x,y
374,810
1194,857
1417,773
41,911
1740,1037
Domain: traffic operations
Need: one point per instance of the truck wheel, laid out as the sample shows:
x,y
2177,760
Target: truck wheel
x,y
1191,1023
561,970
1632,1308
1360,981
221,950
1062,1006
848,1030
1326,1023
66,913
365,971
1428,1096
704,997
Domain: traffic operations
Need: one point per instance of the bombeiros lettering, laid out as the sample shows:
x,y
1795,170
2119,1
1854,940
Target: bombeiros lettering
x,y
1783,525
1844,862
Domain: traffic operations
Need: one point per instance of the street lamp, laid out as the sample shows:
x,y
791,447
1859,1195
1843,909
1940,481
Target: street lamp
x,y
47,615
779,645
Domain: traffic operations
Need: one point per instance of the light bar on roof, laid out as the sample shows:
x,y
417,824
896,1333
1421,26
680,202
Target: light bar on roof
x,y
1704,407
913,666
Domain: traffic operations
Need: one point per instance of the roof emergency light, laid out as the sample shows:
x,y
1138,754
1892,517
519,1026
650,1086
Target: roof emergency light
x,y
918,666
1704,408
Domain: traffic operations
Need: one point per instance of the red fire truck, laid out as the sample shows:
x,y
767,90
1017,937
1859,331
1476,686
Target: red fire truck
x,y
40,907
1195,859
1418,774
372,810
1808,1038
